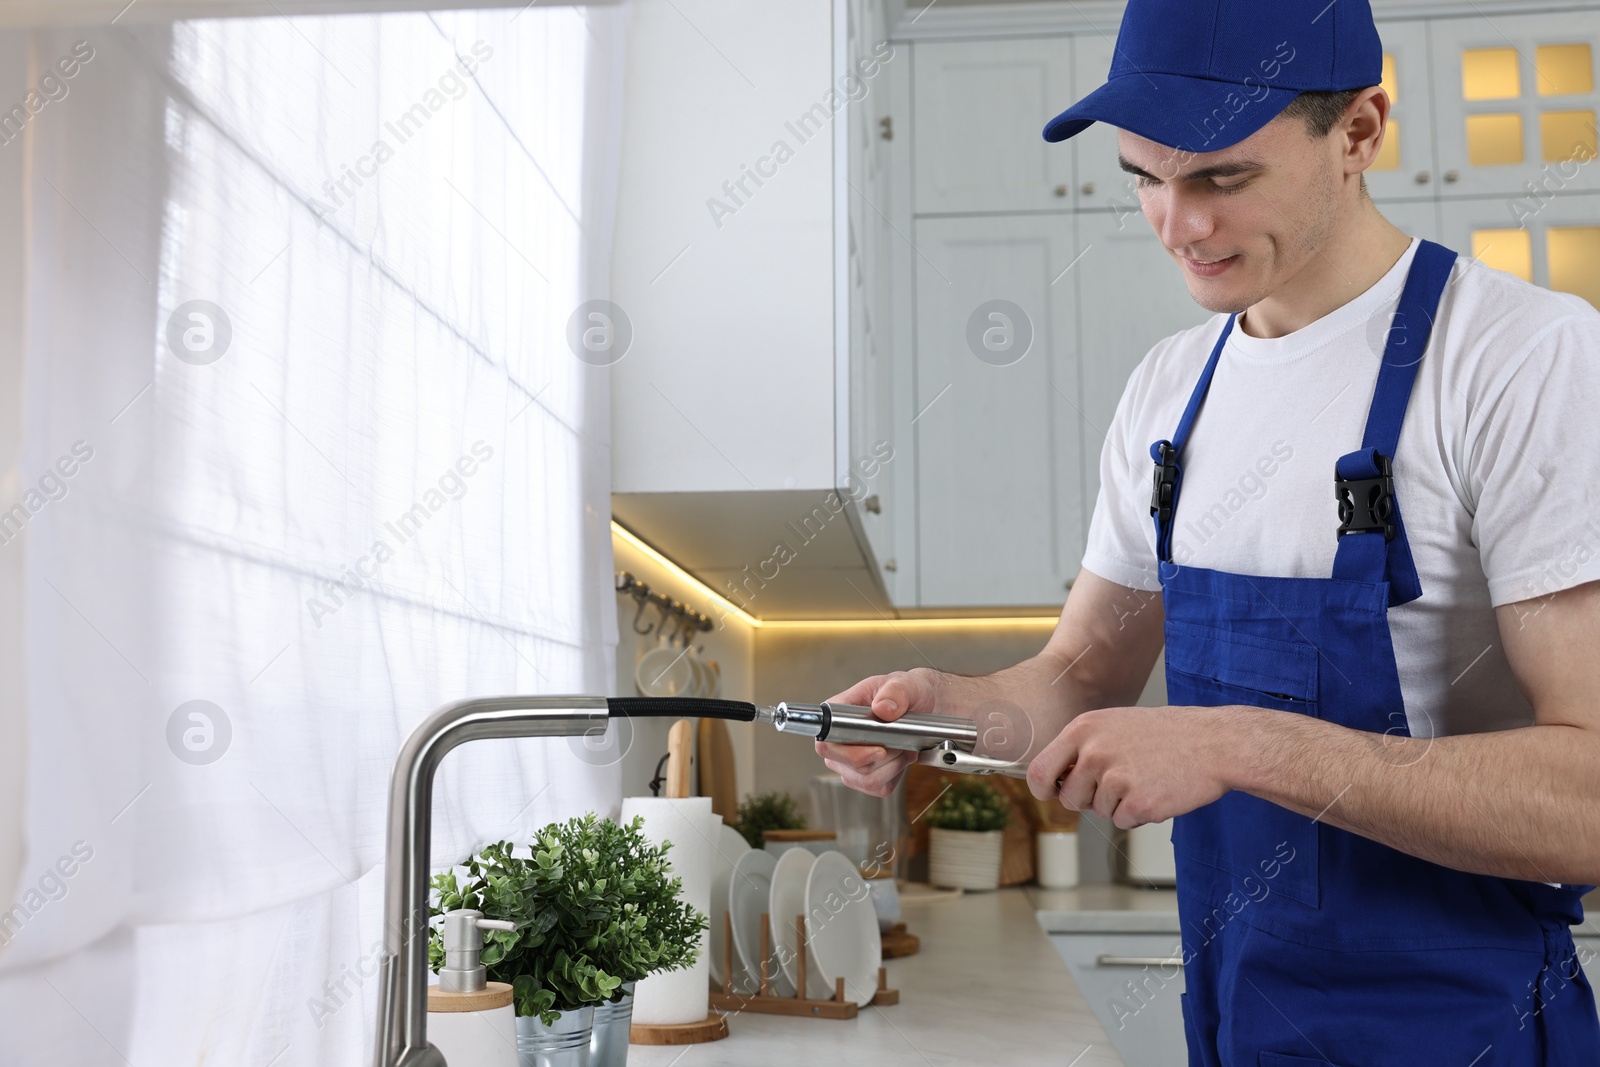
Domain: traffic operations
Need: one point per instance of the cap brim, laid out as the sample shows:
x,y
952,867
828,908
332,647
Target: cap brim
x,y
1189,114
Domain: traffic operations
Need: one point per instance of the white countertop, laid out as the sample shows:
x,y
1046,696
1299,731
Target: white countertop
x,y
987,987
1105,909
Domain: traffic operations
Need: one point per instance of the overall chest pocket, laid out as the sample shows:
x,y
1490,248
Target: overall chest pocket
x,y
1234,667
1261,850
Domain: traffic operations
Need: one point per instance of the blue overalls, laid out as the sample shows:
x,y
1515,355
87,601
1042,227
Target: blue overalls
x,y
1303,943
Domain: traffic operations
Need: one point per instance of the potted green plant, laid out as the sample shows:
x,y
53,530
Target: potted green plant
x,y
768,811
965,828
651,930
594,911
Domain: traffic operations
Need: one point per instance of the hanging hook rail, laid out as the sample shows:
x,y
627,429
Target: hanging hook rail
x,y
689,619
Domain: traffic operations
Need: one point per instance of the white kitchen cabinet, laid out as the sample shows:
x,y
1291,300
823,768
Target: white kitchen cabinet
x,y
1554,243
803,326
1132,982
723,258
1130,293
1405,169
987,531
978,115
1515,102
751,394
998,426
866,294
1099,182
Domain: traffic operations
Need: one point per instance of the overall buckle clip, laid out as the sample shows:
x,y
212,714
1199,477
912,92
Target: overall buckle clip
x,y
1166,482
1366,505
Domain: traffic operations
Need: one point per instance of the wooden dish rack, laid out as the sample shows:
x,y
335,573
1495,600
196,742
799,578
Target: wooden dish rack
x,y
764,1000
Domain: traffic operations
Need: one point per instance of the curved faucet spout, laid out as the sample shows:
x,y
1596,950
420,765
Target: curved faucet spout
x,y
403,982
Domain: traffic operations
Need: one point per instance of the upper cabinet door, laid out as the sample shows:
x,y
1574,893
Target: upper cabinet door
x,y
1404,169
1099,181
978,115
1131,294
865,281
997,423
1515,103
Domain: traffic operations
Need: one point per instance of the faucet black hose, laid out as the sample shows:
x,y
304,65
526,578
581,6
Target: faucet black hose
x,y
681,707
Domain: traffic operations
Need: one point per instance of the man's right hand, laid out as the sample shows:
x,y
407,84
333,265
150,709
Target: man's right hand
x,y
874,769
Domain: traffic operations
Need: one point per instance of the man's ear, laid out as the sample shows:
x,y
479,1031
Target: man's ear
x,y
1363,128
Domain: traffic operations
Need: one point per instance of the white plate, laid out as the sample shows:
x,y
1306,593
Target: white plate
x,y
663,672
843,927
788,900
730,846
702,674
749,891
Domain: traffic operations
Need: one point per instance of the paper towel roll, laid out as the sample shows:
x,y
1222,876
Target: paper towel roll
x,y
681,996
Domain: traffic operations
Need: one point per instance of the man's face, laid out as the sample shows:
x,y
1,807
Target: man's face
x,y
1242,221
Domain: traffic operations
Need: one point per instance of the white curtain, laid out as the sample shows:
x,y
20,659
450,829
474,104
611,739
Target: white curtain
x,y
296,320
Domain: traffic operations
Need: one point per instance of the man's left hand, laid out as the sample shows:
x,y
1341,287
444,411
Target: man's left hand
x,y
1139,765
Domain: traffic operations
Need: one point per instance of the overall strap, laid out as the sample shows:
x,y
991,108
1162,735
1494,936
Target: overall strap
x,y
1168,475
1372,538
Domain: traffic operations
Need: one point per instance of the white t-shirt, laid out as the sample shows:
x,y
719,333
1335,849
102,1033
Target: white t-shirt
x,y
1497,472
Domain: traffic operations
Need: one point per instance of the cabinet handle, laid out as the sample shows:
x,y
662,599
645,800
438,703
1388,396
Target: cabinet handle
x,y
1061,190
873,504
1423,177
890,565
1138,961
1452,176
886,127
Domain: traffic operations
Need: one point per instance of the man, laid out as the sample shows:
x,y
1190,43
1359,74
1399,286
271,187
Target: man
x,y
1383,744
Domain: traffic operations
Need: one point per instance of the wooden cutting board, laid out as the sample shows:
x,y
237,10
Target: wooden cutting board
x,y
717,779
678,759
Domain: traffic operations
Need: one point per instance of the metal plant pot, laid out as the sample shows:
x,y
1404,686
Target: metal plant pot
x,y
609,1046
564,1043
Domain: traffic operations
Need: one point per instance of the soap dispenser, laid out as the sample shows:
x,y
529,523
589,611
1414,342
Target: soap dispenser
x,y
470,1019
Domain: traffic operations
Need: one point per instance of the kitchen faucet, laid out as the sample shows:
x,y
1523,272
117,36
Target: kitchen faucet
x,y
942,741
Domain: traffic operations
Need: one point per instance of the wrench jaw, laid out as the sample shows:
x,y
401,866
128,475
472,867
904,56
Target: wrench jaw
x,y
949,757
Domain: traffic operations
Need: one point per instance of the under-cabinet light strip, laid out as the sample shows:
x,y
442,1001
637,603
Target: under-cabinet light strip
x,y
628,536
727,606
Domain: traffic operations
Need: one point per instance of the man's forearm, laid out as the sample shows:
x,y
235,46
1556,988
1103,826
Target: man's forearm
x,y
1515,803
1019,709
1099,656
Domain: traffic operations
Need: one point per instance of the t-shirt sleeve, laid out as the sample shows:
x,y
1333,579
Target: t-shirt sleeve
x,y
1533,466
1121,546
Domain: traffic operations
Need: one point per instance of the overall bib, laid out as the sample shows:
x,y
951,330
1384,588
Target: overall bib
x,y
1304,944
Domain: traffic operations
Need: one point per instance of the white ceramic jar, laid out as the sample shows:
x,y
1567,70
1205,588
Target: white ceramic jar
x,y
1058,858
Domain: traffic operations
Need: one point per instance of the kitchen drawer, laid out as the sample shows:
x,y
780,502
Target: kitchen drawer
x,y
1133,991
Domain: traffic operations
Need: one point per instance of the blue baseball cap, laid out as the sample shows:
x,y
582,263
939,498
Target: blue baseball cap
x,y
1202,75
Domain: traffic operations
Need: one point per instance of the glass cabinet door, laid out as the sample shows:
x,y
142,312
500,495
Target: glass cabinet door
x,y
1556,244
1516,103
